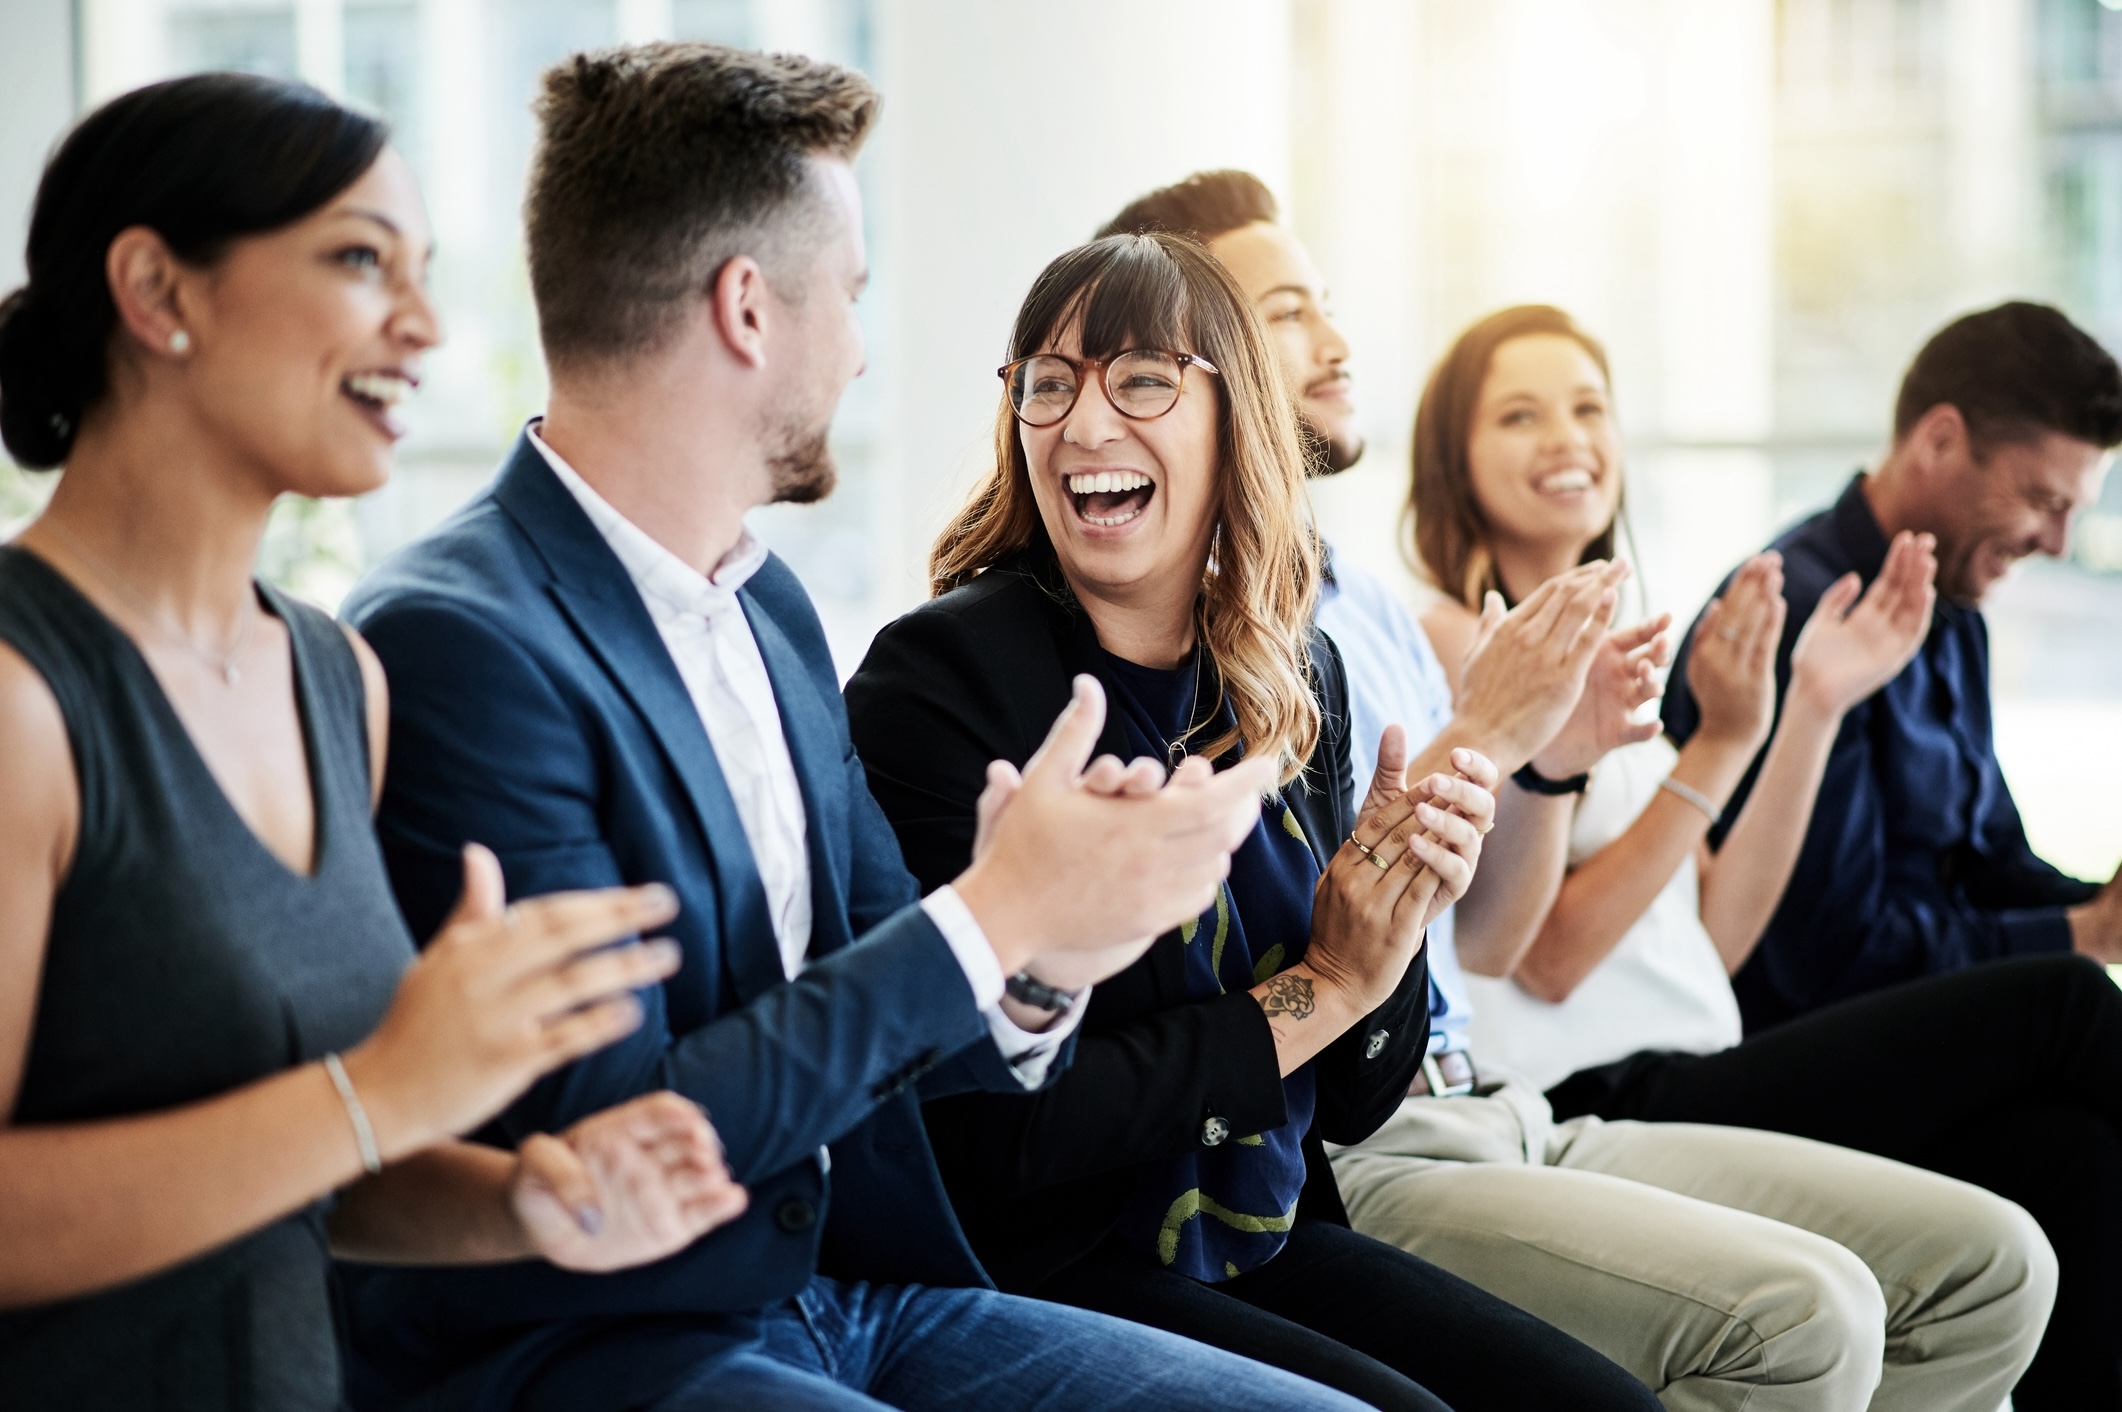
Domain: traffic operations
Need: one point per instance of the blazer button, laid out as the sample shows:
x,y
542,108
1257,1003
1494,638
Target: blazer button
x,y
796,1215
1375,1044
1213,1132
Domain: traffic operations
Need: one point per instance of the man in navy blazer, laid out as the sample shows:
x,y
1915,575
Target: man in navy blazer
x,y
598,673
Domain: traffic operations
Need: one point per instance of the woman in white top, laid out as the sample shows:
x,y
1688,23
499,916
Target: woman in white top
x,y
1615,930
1723,1266
1606,928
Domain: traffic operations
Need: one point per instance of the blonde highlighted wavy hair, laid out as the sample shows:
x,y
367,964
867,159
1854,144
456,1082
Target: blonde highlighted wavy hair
x,y
1261,579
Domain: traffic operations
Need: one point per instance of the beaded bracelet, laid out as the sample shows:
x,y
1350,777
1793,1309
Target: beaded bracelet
x,y
364,1135
1693,796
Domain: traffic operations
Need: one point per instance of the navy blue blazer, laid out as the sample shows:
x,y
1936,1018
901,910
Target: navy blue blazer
x,y
535,709
1915,861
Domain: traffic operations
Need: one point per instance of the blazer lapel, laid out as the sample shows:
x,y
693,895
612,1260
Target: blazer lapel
x,y
813,747
594,592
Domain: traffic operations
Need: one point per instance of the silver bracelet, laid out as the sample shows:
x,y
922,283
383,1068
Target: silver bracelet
x,y
364,1135
1693,796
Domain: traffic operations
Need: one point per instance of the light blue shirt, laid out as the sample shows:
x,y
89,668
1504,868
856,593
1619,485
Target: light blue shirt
x,y
1394,675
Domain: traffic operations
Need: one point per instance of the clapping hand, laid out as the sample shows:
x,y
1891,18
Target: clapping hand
x,y
1525,669
1623,676
1412,854
501,996
1732,667
1458,810
2096,926
1157,848
625,1186
1844,653
1467,793
1137,779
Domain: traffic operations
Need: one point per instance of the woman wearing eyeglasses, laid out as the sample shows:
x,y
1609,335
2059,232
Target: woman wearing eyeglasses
x,y
1146,525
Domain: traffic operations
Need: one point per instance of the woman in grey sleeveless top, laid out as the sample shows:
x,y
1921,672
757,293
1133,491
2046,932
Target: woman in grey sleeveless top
x,y
226,297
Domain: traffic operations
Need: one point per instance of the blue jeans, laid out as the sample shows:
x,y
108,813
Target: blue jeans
x,y
859,1348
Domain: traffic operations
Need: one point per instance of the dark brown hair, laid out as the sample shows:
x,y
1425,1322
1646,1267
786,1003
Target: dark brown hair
x,y
656,165
1202,207
1451,535
1261,581
202,161
2014,372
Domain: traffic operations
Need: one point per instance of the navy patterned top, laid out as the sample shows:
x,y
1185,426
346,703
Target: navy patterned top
x,y
1220,1211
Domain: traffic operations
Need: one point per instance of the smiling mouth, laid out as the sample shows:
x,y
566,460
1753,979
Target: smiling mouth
x,y
1109,499
1567,482
379,395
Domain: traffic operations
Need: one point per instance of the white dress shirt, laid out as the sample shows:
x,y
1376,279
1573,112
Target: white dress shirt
x,y
710,640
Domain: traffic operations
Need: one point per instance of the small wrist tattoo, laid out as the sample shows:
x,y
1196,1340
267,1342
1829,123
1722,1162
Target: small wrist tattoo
x,y
1289,995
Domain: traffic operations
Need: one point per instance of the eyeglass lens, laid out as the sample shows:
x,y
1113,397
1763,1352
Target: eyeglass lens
x,y
1142,385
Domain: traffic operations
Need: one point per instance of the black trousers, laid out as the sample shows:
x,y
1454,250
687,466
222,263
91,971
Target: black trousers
x,y
1367,1319
2007,1075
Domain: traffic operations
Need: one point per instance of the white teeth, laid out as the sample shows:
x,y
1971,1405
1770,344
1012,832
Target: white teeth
x,y
1106,482
1563,481
389,389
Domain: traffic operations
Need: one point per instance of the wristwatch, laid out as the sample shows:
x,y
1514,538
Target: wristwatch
x,y
1038,994
1533,782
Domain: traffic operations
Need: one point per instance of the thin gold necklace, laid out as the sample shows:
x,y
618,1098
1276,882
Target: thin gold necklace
x,y
1175,751
224,663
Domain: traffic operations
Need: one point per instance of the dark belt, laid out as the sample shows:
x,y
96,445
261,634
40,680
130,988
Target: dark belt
x,y
1444,1075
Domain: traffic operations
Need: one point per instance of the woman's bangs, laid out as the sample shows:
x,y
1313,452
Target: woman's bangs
x,y
1140,302
1125,291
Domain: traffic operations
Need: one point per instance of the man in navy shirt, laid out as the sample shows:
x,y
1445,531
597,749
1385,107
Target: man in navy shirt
x,y
1916,863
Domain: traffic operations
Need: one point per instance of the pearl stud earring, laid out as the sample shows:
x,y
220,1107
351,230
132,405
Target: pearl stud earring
x,y
180,342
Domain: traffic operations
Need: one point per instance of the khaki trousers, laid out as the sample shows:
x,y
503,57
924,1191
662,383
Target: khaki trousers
x,y
1727,1268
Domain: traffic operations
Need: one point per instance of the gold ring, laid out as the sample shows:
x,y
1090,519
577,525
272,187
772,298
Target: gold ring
x,y
1383,866
1361,847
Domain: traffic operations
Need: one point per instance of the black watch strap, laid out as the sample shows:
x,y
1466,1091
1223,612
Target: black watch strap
x,y
1533,782
1039,995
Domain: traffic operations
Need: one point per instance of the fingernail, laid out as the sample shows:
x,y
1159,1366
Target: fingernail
x,y
658,895
589,1218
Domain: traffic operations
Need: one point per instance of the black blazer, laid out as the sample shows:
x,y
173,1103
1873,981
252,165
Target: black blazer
x,y
978,675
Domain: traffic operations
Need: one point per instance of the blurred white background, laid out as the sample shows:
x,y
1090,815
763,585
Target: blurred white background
x,y
1763,206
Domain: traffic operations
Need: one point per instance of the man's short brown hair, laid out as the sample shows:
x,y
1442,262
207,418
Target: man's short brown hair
x,y
2014,372
657,164
1202,207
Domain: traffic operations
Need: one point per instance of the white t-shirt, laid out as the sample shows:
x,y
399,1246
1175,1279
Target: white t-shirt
x,y
1662,986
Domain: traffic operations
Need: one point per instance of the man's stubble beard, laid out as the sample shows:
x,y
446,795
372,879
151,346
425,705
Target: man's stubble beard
x,y
800,467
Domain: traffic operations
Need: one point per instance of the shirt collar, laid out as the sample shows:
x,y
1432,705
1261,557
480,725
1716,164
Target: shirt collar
x,y
1864,545
660,576
1857,531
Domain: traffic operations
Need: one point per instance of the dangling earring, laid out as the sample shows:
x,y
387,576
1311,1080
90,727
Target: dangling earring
x,y
180,342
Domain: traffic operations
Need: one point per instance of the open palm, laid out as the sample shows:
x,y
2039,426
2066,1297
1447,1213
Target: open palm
x,y
1844,654
1623,676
